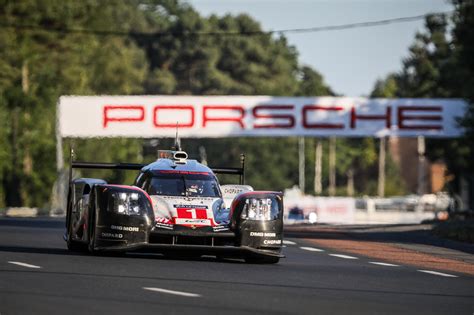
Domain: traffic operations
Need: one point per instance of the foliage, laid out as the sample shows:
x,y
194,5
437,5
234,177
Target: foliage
x,y
45,60
440,65
38,66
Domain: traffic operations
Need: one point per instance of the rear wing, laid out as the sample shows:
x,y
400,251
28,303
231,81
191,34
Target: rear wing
x,y
240,171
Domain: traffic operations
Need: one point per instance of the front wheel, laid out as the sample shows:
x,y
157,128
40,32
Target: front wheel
x,y
74,245
92,227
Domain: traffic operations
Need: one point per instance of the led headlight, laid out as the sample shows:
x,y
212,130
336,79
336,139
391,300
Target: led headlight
x,y
259,209
125,203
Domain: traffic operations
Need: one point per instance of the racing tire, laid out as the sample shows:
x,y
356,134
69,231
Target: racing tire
x,y
92,227
262,260
72,245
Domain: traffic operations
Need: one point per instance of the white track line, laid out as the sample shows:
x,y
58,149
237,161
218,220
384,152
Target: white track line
x,y
312,249
287,242
172,292
343,256
438,273
383,264
23,264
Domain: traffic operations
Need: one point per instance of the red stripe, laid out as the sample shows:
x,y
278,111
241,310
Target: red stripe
x,y
183,172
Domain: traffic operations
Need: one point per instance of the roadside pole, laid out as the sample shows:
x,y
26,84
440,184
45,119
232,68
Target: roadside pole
x,y
318,187
382,154
301,151
58,200
421,165
332,166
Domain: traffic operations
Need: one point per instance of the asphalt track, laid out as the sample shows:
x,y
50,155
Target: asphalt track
x,y
39,276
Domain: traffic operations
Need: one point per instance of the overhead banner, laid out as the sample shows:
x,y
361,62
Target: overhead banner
x,y
242,116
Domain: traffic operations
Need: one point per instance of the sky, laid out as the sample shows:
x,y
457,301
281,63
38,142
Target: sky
x,y
350,60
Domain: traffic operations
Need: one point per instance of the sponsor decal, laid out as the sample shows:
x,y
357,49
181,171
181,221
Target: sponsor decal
x,y
272,242
190,206
220,228
164,226
125,228
263,234
111,235
232,191
163,220
193,221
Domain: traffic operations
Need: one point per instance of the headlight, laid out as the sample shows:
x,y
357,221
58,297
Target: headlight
x,y
260,209
125,203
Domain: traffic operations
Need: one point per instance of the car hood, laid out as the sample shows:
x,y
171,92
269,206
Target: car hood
x,y
189,211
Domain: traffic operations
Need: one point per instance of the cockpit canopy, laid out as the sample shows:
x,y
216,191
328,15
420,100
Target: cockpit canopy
x,y
181,183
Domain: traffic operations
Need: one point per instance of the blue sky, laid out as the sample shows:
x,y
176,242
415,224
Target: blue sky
x,y
350,60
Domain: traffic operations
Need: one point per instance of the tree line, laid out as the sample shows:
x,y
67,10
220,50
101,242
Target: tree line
x,y
154,47
440,64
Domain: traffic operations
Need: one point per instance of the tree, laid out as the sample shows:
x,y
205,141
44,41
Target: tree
x,y
64,50
312,83
40,65
440,65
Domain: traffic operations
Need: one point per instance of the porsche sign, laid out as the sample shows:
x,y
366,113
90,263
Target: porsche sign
x,y
240,116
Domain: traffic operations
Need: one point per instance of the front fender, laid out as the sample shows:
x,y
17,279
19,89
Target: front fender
x,y
114,228
260,234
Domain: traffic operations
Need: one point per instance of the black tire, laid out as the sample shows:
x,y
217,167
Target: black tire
x,y
262,260
92,223
72,245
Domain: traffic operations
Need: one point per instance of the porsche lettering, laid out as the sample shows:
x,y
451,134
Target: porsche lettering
x,y
275,116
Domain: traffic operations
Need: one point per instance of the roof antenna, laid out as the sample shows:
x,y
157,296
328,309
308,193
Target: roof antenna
x,y
177,141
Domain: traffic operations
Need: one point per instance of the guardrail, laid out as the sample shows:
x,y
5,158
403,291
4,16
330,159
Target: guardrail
x,y
410,209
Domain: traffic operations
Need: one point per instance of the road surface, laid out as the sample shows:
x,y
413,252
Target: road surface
x,y
39,276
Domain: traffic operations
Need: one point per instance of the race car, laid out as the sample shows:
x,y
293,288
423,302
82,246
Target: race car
x,y
176,207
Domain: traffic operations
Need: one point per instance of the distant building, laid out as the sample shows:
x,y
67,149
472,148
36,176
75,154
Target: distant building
x,y
404,152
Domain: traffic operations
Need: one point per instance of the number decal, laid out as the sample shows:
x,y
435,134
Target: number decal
x,y
192,213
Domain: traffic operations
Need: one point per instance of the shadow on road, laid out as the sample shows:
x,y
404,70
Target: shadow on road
x,y
40,250
47,223
132,255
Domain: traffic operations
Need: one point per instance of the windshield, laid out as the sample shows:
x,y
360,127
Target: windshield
x,y
180,184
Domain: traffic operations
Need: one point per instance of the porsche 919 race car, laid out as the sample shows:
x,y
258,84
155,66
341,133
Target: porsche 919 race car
x,y
175,206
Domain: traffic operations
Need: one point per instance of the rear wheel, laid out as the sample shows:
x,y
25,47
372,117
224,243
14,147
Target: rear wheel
x,y
262,260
